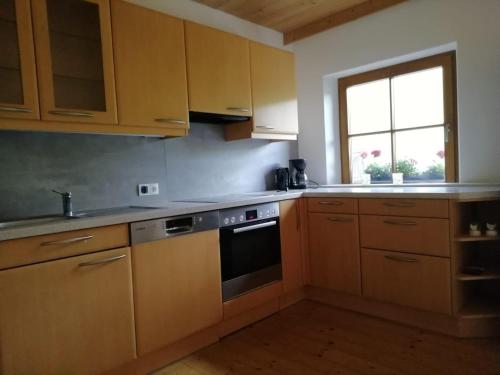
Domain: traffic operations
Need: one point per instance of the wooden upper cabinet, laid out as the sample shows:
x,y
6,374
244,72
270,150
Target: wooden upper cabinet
x,y
218,67
150,67
274,93
75,60
18,88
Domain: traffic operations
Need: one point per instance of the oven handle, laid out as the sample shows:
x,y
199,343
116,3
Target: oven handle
x,y
254,227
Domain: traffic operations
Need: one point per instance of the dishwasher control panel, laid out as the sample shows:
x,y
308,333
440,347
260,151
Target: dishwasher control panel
x,y
248,214
157,229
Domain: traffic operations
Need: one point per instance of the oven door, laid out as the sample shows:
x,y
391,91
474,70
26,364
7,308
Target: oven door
x,y
250,256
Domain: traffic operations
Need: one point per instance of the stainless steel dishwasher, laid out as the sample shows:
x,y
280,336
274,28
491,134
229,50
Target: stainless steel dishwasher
x,y
176,278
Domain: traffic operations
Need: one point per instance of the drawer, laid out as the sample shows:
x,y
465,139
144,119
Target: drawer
x,y
418,281
405,207
61,245
333,205
408,234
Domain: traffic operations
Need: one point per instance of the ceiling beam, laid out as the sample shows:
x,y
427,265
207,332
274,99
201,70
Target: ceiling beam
x,y
339,18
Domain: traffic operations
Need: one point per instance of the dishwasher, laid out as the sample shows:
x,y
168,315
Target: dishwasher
x,y
176,278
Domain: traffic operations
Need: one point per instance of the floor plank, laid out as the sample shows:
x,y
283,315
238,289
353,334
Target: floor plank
x,y
312,338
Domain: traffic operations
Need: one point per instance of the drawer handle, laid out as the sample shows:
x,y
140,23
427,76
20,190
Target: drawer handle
x,y
406,223
399,258
102,261
399,204
340,219
332,203
238,109
69,240
15,109
265,127
72,113
171,121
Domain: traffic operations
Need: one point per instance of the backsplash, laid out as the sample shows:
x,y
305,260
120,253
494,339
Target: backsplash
x,y
103,171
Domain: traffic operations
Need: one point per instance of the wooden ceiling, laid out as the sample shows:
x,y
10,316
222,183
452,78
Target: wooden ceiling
x,y
298,19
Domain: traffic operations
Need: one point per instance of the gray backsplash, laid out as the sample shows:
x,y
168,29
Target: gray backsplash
x,y
103,171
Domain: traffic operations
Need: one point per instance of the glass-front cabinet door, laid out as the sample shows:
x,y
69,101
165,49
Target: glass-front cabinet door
x,y
75,60
18,91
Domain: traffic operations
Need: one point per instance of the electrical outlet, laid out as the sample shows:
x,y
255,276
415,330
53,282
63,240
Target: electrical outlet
x,y
148,189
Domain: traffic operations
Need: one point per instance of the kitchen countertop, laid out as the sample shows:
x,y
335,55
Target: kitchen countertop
x,y
443,191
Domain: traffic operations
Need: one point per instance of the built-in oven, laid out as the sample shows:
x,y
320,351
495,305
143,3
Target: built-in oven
x,y
250,248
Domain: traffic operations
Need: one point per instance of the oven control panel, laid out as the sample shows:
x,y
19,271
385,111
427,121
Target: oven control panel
x,y
248,214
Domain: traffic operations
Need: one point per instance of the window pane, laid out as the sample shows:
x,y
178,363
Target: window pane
x,y
370,154
420,154
418,98
368,107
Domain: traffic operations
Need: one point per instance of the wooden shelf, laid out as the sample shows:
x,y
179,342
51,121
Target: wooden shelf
x,y
481,308
487,275
468,238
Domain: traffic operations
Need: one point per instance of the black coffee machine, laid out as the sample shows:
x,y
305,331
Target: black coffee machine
x,y
298,178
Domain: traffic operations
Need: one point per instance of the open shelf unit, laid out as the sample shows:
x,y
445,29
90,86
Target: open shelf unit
x,y
476,298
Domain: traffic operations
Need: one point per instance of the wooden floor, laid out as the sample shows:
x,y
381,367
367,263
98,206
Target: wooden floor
x,y
311,338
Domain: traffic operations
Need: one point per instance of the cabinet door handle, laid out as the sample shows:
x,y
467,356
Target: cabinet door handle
x,y
171,121
340,219
15,109
399,204
264,127
399,258
331,203
67,241
102,261
398,222
72,113
238,109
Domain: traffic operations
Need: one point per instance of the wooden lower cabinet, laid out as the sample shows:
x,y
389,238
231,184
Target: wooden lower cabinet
x,y
334,252
291,254
177,288
68,316
418,281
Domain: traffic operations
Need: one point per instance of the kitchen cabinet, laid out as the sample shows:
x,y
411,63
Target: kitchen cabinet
x,y
18,91
177,288
150,67
218,69
274,96
334,252
422,282
67,316
291,254
75,61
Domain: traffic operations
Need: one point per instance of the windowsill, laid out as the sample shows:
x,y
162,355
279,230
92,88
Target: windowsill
x,y
421,184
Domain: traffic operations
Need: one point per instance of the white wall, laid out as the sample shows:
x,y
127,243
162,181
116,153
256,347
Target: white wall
x,y
404,32
192,11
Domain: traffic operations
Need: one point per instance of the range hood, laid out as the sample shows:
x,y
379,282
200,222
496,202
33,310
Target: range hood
x,y
215,118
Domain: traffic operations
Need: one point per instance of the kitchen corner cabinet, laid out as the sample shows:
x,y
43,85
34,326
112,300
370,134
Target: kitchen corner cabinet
x,y
334,252
218,68
291,254
150,67
68,316
177,288
18,89
75,61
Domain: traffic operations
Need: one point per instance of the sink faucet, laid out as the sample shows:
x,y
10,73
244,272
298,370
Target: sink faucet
x,y
67,205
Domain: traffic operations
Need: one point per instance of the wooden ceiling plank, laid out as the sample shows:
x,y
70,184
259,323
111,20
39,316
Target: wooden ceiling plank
x,y
338,18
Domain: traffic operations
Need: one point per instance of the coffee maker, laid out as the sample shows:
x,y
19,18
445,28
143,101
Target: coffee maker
x,y
298,178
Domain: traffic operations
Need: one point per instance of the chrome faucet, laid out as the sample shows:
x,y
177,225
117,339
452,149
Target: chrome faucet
x,y
67,205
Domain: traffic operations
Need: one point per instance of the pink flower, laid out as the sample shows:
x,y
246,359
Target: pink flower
x,y
440,154
376,153
413,162
364,154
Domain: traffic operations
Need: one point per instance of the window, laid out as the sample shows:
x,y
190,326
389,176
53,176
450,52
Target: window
x,y
400,119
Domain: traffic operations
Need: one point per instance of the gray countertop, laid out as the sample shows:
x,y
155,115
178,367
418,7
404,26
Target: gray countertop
x,y
444,191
